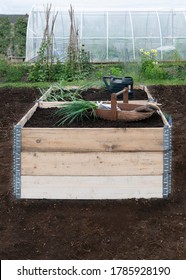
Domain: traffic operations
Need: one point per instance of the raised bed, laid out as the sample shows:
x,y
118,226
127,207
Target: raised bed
x,y
91,163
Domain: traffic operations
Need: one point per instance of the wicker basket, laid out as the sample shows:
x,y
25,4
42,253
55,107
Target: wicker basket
x,y
125,111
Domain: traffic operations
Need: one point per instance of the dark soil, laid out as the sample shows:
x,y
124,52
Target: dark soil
x,y
103,94
125,229
14,103
48,118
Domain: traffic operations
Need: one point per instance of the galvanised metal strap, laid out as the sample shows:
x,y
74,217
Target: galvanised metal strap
x,y
17,161
167,161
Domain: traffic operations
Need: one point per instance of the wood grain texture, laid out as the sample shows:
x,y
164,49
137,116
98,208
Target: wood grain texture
x,y
90,187
92,139
51,104
28,115
95,163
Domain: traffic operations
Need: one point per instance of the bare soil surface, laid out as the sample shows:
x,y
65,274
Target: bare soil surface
x,y
49,118
120,229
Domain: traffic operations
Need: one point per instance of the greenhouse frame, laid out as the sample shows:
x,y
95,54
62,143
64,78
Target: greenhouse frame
x,y
112,35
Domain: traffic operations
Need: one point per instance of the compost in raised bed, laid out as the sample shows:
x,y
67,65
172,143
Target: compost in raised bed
x,y
48,118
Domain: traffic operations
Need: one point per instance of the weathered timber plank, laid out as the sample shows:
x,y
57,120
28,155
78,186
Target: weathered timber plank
x,y
91,187
92,139
164,120
28,115
45,95
95,163
51,104
145,88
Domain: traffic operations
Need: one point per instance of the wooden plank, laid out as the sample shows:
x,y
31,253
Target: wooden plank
x,y
51,104
150,98
141,102
92,139
145,88
46,94
28,115
91,187
96,164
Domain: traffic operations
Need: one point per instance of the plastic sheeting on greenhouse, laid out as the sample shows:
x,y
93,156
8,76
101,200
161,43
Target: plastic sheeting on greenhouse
x,y
112,35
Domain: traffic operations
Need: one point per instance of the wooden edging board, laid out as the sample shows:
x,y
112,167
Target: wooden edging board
x,y
92,163
91,187
28,115
110,139
52,104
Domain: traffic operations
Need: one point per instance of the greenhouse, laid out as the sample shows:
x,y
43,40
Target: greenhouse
x,y
111,35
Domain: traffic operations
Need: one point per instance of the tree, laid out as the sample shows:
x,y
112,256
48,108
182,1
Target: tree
x,y
19,36
5,34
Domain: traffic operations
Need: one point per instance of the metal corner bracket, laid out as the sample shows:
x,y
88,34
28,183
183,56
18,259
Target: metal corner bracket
x,y
167,161
17,161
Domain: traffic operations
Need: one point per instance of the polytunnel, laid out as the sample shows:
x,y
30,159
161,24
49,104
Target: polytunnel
x,y
112,35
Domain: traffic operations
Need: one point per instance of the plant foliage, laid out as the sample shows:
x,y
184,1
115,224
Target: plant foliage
x,y
150,68
19,37
5,34
76,111
47,68
58,93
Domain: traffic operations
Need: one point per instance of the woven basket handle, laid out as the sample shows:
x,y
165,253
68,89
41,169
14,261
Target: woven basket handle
x,y
114,101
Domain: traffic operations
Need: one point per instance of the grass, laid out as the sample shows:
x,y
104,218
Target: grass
x,y
165,82
81,83
25,84
95,82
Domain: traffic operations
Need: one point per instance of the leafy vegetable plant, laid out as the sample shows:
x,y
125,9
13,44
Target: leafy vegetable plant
x,y
76,111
